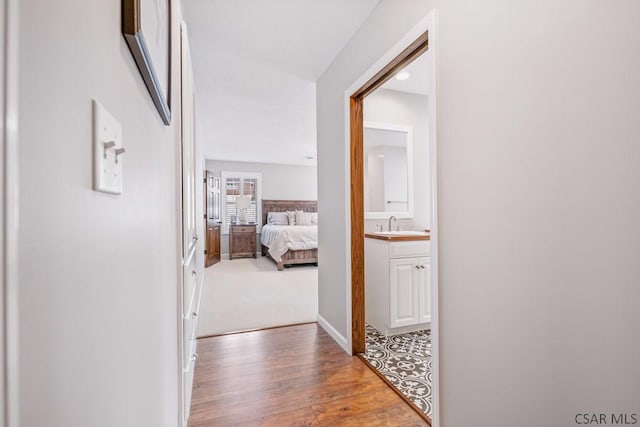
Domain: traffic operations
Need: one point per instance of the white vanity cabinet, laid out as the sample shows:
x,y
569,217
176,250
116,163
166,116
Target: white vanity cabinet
x,y
397,285
407,290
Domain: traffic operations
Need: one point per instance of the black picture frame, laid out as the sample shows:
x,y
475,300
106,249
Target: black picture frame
x,y
137,42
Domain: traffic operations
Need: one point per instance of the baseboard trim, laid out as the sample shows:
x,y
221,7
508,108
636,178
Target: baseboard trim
x,y
333,332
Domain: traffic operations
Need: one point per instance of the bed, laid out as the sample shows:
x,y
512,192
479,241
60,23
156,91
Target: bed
x,y
290,239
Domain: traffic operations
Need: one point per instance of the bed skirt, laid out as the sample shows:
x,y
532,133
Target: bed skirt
x,y
291,257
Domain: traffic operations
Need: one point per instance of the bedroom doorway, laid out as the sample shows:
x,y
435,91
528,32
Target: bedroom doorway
x,y
263,257
394,266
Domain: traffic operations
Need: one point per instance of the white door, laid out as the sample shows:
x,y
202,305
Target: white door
x,y
426,302
404,291
192,248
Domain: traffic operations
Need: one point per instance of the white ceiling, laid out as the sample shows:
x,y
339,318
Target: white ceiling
x,y
418,83
255,66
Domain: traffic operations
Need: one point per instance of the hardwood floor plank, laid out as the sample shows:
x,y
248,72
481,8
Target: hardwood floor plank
x,y
294,376
395,416
292,383
302,417
356,405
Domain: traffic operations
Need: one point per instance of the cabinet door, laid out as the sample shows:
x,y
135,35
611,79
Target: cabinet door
x,y
426,302
243,242
404,292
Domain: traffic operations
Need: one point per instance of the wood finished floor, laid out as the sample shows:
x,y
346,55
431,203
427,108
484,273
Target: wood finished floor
x,y
293,376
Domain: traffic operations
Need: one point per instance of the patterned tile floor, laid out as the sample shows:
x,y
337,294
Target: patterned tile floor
x,y
405,360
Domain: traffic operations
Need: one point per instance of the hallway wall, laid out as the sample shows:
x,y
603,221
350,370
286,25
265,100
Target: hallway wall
x,y
538,202
98,273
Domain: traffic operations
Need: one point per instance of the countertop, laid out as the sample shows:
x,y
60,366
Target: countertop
x,y
392,238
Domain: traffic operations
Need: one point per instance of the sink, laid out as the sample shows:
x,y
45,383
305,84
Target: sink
x,y
400,233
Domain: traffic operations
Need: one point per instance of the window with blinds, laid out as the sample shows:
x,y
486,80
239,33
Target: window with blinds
x,y
240,184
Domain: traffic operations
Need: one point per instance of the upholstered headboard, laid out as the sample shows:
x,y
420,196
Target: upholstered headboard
x,y
287,205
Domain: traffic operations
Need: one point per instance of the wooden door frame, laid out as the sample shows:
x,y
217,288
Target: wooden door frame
x,y
356,102
421,38
9,214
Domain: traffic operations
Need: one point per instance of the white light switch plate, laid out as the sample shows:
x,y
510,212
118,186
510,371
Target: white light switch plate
x,y
107,167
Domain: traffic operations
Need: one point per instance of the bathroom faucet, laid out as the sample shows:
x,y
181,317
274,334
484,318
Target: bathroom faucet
x,y
392,218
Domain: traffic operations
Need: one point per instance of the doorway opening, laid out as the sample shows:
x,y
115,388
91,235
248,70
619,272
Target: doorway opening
x,y
388,157
411,53
261,253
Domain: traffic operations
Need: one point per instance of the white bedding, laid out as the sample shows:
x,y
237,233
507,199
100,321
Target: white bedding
x,y
281,238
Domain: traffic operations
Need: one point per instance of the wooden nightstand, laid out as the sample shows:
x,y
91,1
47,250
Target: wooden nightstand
x,y
242,240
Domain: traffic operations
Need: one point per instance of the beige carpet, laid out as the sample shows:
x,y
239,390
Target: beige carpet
x,y
251,293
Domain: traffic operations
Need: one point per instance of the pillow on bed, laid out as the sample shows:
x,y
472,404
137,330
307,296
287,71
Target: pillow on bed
x,y
314,218
292,216
277,218
304,218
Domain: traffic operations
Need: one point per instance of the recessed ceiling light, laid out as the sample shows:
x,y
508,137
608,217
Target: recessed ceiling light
x,y
381,156
403,75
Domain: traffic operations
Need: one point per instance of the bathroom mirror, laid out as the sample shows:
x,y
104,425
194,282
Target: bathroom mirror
x,y
388,171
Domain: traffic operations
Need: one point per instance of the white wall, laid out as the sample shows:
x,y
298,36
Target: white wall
x,y
98,273
374,168
408,109
538,202
279,182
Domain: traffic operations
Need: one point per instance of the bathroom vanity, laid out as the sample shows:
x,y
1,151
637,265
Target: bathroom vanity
x,y
398,281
